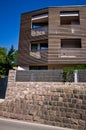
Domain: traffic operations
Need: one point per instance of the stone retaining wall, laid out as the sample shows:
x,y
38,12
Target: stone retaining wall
x,y
59,104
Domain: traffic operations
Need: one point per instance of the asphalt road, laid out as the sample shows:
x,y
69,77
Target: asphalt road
x,y
8,124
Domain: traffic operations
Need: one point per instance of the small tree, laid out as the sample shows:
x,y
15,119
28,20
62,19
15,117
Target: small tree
x,y
7,59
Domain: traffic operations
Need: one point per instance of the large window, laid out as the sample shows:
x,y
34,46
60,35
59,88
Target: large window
x,y
70,43
39,45
34,47
69,17
43,46
38,67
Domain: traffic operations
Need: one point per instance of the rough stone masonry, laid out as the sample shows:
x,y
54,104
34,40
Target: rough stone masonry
x,y
52,103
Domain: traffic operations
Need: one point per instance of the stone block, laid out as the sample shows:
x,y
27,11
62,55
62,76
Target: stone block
x,y
84,102
82,122
81,96
66,120
83,107
74,121
1,113
74,126
84,117
80,128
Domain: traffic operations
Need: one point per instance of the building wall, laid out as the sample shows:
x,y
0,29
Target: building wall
x,y
56,32
52,103
24,58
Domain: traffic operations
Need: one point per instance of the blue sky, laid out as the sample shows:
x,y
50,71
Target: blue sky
x,y
10,12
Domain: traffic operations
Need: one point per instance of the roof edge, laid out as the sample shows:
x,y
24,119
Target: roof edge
x,y
53,7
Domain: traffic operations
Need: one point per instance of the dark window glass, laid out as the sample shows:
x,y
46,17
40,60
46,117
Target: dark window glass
x,y
38,67
43,46
69,17
34,47
70,43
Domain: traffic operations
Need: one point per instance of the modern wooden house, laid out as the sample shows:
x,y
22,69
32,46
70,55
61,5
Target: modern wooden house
x,y
52,38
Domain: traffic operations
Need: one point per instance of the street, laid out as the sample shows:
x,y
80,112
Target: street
x,y
8,124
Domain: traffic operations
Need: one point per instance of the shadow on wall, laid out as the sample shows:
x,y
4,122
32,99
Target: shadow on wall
x,y
3,87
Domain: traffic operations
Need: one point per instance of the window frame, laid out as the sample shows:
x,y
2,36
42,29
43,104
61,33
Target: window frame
x,y
74,17
65,40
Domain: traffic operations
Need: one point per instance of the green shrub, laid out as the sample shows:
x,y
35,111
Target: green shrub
x,y
69,72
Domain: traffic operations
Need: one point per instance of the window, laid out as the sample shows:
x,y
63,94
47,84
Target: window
x,y
34,47
40,21
69,17
36,26
38,67
39,45
70,43
43,46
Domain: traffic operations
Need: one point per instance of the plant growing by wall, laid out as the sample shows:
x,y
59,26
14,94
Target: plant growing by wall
x,y
68,72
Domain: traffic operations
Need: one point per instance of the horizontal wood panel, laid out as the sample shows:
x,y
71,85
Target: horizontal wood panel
x,y
55,54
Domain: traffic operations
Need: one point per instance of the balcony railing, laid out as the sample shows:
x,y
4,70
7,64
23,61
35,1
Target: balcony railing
x,y
39,31
68,29
38,57
72,53
57,55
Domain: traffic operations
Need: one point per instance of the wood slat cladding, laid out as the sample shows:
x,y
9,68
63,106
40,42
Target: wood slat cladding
x,y
56,32
25,38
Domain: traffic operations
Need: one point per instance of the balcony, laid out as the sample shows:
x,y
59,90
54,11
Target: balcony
x,y
71,48
57,56
72,53
69,30
39,31
38,57
38,53
39,24
67,56
69,18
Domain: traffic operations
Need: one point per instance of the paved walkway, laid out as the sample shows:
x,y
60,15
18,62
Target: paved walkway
x,y
8,124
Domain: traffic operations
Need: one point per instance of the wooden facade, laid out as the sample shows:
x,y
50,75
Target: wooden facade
x,y
54,37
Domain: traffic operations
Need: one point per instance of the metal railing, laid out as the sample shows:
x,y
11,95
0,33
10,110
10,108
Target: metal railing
x,y
39,76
